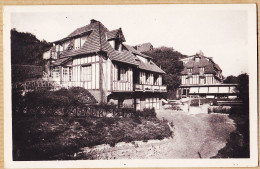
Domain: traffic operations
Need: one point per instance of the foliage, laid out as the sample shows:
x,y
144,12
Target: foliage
x,y
26,48
231,80
238,145
25,72
219,109
60,102
168,59
243,89
52,138
75,101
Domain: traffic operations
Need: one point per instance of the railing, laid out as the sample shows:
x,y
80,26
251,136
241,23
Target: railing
x,y
122,86
202,74
150,88
28,86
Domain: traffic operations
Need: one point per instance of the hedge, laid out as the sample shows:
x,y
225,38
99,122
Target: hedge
x,y
25,72
75,101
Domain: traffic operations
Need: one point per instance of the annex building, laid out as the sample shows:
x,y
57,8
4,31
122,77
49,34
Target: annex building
x,y
202,77
98,59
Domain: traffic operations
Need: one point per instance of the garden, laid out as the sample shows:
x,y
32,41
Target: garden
x,y
54,125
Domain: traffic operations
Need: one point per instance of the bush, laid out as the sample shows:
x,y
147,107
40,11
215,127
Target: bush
x,y
25,72
147,113
219,109
60,102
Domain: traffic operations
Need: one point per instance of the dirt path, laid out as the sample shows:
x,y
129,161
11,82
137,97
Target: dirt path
x,y
195,136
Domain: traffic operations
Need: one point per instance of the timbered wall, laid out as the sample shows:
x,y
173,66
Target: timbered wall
x,y
196,79
149,78
83,72
122,78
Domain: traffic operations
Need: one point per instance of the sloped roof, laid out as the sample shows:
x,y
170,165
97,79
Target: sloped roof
x,y
117,33
149,66
58,62
97,42
209,66
132,49
145,66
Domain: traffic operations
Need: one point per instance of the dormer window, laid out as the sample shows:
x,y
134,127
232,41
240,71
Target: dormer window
x,y
197,59
77,43
202,69
189,70
118,45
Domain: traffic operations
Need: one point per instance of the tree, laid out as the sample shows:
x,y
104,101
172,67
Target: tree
x,y
231,80
26,48
243,89
168,59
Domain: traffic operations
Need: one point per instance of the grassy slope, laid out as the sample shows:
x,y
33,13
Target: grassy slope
x,y
238,142
54,138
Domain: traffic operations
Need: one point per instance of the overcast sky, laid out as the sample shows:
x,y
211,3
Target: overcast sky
x,y
220,32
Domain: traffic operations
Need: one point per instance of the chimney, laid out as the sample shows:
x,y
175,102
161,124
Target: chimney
x,y
93,21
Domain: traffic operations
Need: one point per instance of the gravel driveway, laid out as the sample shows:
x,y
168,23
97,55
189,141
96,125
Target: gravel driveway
x,y
195,136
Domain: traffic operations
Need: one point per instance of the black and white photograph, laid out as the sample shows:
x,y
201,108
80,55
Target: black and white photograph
x,y
130,86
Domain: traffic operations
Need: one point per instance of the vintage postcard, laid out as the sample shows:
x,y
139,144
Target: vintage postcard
x,y
101,86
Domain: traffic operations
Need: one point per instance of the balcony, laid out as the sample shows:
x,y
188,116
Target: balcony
x,y
202,74
149,88
122,86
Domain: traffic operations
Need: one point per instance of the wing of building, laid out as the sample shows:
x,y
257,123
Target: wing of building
x,y
98,59
201,76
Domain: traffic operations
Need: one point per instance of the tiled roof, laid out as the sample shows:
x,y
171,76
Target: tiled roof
x,y
149,66
97,42
145,66
58,62
132,49
209,66
123,56
86,28
115,34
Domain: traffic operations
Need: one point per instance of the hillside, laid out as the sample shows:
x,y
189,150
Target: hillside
x,y
26,49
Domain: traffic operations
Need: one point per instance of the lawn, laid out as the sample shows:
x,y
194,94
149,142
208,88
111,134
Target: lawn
x,y
58,137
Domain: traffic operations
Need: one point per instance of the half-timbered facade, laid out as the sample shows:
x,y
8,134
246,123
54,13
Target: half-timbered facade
x,y
97,59
203,77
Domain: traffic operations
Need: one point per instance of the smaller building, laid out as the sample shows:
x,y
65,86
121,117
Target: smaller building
x,y
202,77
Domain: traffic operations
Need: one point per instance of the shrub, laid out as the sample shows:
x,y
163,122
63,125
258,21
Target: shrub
x,y
61,102
25,72
219,109
148,113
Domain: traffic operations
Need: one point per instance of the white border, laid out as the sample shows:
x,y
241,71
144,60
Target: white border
x,y
252,53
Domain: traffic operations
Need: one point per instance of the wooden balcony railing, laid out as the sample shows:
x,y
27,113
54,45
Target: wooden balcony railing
x,y
122,86
150,88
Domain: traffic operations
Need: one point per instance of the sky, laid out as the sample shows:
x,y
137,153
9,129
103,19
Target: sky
x,y
218,31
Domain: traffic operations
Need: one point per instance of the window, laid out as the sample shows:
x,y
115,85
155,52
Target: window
x,y
189,70
156,79
77,43
55,72
70,73
86,73
152,103
66,75
122,74
66,45
197,59
202,69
